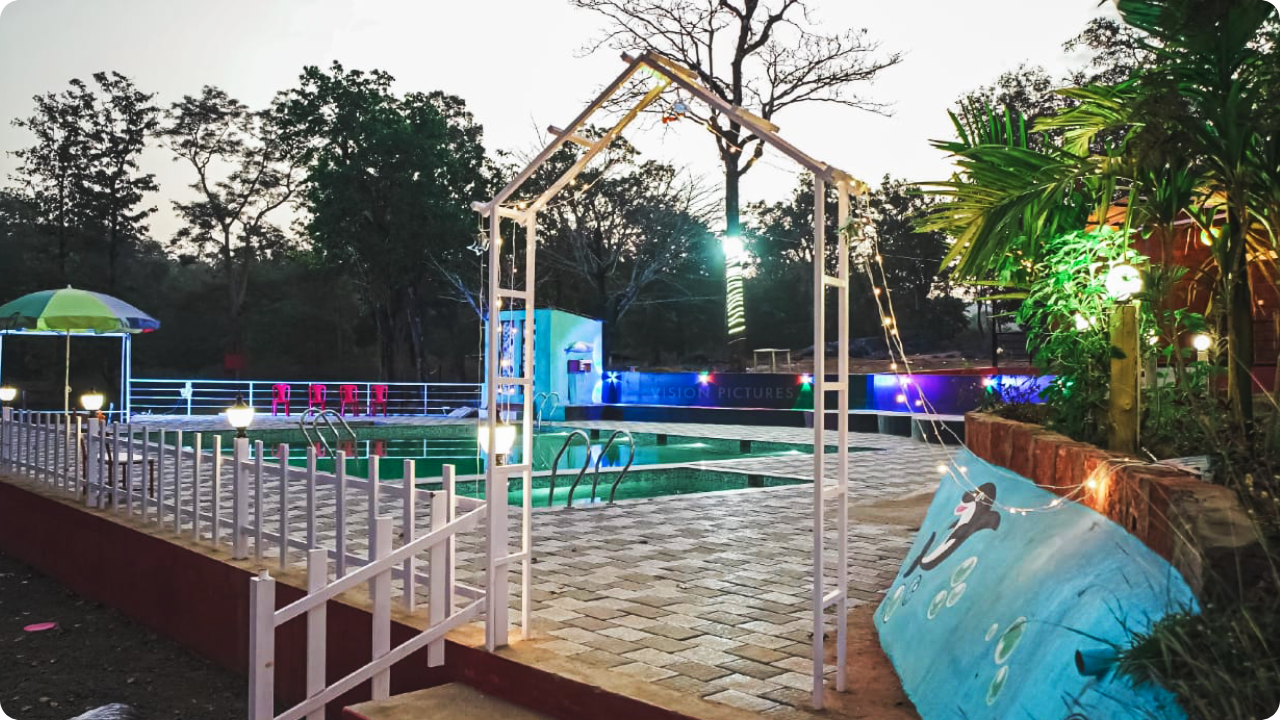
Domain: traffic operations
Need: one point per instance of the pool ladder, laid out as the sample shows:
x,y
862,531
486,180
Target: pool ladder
x,y
315,416
595,478
541,402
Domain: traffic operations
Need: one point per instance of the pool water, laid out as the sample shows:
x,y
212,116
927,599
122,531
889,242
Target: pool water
x,y
636,484
430,448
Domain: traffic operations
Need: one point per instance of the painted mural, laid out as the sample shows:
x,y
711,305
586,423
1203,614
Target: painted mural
x,y
1012,606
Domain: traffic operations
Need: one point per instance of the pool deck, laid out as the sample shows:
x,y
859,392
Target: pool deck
x,y
706,595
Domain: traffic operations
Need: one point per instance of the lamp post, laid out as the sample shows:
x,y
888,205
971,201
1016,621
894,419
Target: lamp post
x,y
1123,282
240,417
92,403
504,436
1202,342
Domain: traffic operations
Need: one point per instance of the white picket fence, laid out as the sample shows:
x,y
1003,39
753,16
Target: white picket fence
x,y
256,508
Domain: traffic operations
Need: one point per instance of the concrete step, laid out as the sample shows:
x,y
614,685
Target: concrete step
x,y
453,701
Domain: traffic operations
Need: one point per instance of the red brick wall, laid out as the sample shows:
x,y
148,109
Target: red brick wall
x,y
1136,496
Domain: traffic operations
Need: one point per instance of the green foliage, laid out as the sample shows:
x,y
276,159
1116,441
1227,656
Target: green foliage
x,y
1067,317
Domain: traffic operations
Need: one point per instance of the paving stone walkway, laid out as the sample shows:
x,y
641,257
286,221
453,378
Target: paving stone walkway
x,y
704,594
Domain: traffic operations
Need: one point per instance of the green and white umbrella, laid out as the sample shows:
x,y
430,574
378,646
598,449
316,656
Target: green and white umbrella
x,y
74,312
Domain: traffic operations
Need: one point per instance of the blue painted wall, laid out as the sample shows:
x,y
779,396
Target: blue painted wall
x,y
991,606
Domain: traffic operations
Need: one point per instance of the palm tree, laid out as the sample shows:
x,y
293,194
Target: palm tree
x,y
1194,133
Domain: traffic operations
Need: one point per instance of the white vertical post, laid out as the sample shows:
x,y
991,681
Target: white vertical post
x,y
257,500
526,428
239,499
262,647
119,468
128,474
6,433
282,455
373,495
494,481
145,501
158,500
340,505
317,646
819,422
842,449
380,598
197,466
80,452
438,609
56,437
311,496
409,518
177,482
216,530
91,463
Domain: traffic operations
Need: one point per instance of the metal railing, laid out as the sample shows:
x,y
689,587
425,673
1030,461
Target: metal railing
x,y
153,396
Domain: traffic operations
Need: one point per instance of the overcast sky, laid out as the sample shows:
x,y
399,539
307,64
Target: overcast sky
x,y
518,65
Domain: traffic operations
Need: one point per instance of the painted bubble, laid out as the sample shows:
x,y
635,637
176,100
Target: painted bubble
x,y
1010,639
997,684
894,603
936,604
991,631
953,597
962,573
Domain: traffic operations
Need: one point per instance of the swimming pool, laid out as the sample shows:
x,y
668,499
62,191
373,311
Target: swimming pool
x,y
430,447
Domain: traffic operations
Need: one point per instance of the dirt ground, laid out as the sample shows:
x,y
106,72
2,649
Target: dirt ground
x,y
97,656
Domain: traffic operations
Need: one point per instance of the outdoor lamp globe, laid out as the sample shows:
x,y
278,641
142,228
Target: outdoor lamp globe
x,y
733,249
504,436
1201,342
1123,282
8,393
92,401
240,416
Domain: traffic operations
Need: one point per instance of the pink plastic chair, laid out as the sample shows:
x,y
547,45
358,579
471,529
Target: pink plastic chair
x,y
349,395
378,396
279,396
315,396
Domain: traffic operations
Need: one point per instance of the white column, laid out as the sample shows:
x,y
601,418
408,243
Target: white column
x,y
239,500
819,423
494,481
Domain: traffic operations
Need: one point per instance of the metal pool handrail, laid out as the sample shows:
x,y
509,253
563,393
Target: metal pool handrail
x,y
556,463
316,416
631,456
546,397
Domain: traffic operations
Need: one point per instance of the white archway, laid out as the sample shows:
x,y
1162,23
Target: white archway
x,y
827,592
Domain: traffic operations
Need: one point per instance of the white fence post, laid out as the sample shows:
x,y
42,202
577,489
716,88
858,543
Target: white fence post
x,y
197,466
380,598
311,496
407,522
216,534
340,507
239,500
438,605
257,500
177,482
262,647
317,647
282,455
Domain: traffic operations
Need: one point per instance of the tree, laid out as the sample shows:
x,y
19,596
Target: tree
x,y
388,186
763,56
122,122
781,243
626,227
246,170
54,171
83,170
1197,134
